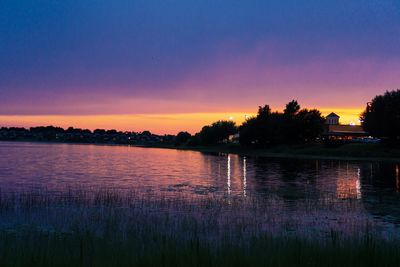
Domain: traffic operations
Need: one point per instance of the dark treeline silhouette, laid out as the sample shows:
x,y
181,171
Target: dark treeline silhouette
x,y
381,118
76,135
182,138
218,132
293,126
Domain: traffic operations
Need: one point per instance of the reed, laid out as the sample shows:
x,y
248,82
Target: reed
x,y
128,228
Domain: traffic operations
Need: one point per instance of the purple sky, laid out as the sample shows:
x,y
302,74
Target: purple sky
x,y
162,56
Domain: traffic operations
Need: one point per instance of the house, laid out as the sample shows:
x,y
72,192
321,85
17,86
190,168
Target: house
x,y
332,119
336,131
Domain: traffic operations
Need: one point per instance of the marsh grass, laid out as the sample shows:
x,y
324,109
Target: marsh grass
x,y
127,228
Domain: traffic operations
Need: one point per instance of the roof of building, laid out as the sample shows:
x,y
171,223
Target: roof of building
x,y
332,114
345,129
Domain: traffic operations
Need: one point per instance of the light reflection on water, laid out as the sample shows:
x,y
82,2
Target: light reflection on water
x,y
397,178
228,175
374,186
244,176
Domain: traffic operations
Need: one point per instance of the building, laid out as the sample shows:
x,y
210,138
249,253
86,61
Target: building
x,y
332,119
336,131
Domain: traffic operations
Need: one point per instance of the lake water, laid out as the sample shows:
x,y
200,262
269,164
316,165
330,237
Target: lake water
x,y
371,188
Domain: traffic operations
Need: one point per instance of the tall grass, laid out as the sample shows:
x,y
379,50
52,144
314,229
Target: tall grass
x,y
121,228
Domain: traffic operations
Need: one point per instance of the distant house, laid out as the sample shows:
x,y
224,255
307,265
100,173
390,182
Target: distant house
x,y
332,119
336,131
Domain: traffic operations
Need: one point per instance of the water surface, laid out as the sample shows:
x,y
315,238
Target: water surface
x,y
371,189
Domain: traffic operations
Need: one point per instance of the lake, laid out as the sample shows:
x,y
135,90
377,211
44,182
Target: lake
x,y
313,194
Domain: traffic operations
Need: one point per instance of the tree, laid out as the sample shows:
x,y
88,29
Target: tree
x,y
263,112
290,127
381,117
146,133
217,132
112,132
46,133
292,108
310,125
182,138
260,129
99,131
247,132
194,140
291,124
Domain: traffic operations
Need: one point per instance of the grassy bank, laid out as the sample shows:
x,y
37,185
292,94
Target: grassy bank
x,y
110,228
44,249
372,152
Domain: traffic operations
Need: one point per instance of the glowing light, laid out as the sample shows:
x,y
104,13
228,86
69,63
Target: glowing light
x,y
347,115
244,176
349,185
229,175
358,184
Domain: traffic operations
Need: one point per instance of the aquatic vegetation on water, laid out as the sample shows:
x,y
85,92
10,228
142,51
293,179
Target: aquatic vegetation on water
x,y
127,228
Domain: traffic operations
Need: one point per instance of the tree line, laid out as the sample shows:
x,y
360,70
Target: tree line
x,y
77,135
294,125
381,119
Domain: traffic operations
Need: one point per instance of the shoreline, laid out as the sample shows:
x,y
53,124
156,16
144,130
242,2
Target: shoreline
x,y
349,152
279,152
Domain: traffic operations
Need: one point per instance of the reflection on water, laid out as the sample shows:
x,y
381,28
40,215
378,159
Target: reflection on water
x,y
397,178
244,176
229,174
374,186
349,185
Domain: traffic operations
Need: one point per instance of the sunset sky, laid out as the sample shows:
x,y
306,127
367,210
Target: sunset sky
x,y
165,66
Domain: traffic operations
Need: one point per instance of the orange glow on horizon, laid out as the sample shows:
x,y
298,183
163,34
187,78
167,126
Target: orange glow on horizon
x,y
347,115
156,123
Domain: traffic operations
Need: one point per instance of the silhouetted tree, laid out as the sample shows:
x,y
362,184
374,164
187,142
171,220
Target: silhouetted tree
x,y
292,108
99,131
146,133
182,138
248,132
112,132
263,112
77,135
310,125
381,117
46,133
86,131
291,126
262,130
194,140
217,132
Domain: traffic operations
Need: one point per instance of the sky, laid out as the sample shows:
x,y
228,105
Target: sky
x,y
171,65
